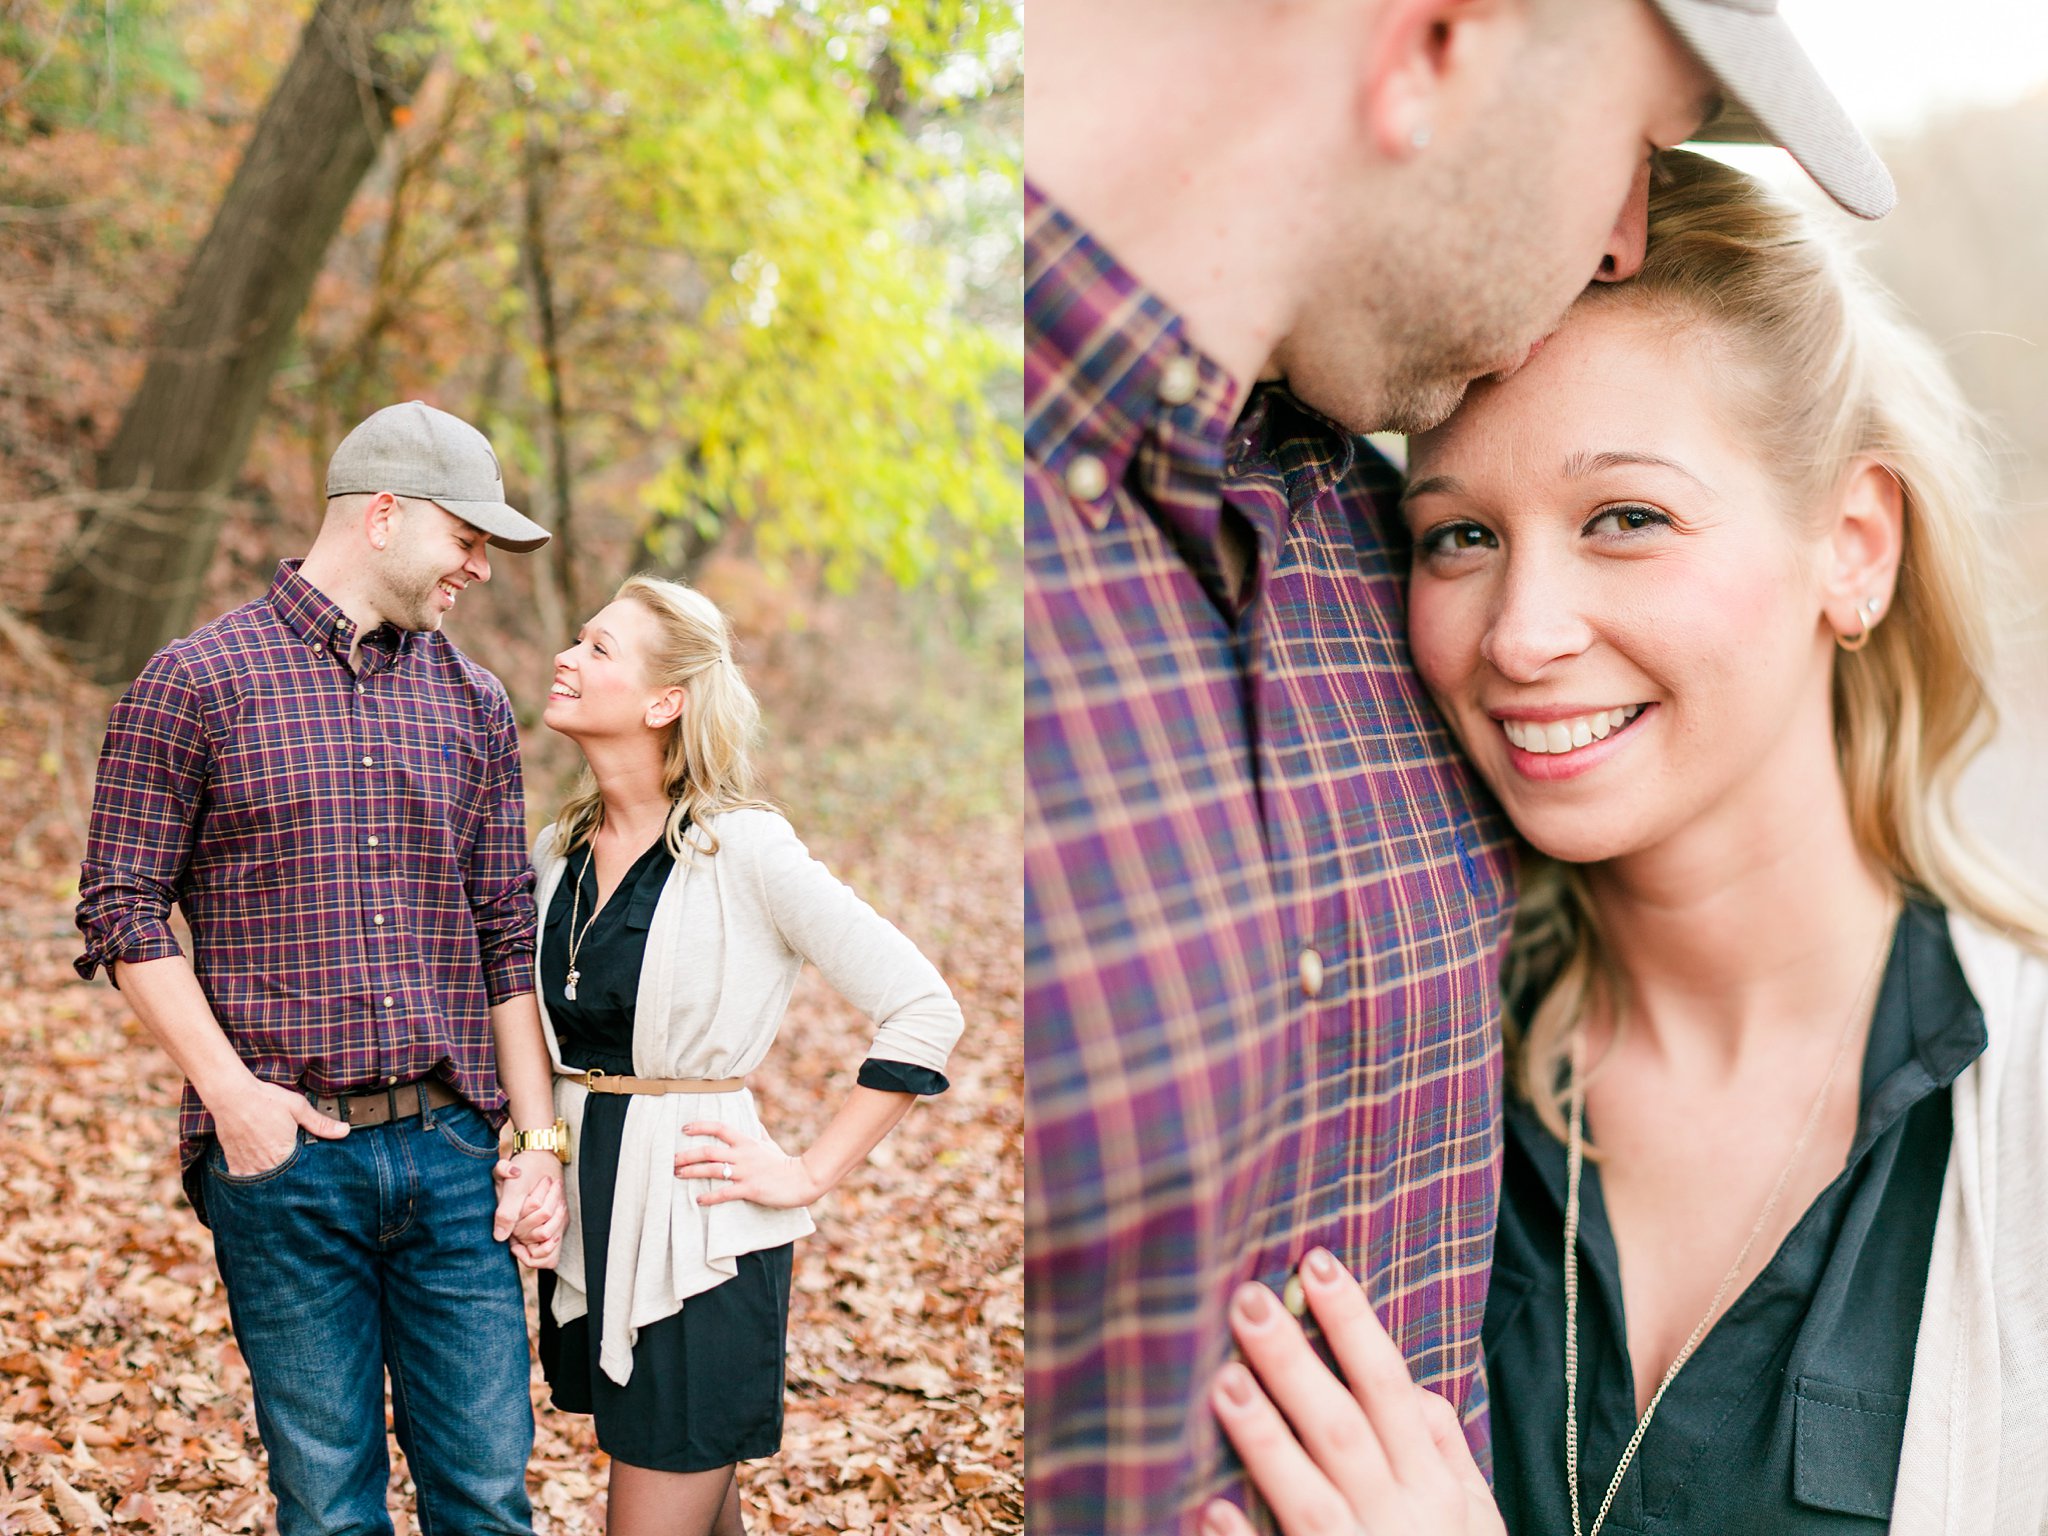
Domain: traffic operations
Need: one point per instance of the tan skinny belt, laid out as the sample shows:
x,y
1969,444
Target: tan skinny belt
x,y
597,1080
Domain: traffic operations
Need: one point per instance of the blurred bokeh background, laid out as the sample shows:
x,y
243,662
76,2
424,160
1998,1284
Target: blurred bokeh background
x,y
734,287
1955,97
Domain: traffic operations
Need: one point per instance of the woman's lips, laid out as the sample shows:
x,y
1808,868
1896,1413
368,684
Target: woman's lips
x,y
1566,747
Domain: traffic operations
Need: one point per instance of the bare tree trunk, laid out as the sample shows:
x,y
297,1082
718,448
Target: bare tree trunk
x,y
130,580
562,549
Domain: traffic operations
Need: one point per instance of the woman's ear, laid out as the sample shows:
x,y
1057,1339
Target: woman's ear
x,y
1864,543
666,708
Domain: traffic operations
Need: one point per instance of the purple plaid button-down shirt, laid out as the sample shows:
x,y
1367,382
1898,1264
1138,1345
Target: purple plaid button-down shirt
x,y
1264,905
349,848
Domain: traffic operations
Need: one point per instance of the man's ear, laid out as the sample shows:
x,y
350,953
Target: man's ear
x,y
380,517
667,708
1429,66
1864,543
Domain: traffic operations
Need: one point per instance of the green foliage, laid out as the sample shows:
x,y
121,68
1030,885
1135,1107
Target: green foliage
x,y
81,63
754,214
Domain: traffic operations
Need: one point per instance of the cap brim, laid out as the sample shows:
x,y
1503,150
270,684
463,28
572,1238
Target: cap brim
x,y
507,528
1774,95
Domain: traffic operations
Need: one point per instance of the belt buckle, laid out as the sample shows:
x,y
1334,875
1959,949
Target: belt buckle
x,y
590,1077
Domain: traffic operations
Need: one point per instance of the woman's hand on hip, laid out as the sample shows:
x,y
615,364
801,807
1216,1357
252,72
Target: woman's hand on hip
x,y
742,1168
1382,1456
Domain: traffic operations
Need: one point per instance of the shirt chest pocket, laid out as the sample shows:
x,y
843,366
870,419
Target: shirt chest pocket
x,y
442,777
1845,1450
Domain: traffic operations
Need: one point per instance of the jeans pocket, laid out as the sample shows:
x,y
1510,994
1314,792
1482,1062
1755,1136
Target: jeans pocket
x,y
217,1163
475,1138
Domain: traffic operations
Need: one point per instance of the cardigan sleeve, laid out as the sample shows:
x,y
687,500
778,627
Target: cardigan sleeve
x,y
863,956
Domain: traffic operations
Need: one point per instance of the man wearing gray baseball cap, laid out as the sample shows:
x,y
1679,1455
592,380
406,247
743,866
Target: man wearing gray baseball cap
x,y
1265,897
331,792
415,450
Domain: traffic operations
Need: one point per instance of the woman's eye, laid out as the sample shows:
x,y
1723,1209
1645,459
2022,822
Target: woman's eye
x,y
1451,538
1626,520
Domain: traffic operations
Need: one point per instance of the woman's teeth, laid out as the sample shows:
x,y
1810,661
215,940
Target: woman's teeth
x,y
1568,735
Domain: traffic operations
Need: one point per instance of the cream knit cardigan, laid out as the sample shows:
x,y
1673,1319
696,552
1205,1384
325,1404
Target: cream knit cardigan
x,y
1975,1457
729,935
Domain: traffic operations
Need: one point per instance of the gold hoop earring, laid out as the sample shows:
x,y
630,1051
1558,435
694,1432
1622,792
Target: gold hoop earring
x,y
1868,611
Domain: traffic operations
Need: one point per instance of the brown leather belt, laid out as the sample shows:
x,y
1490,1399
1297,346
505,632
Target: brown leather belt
x,y
380,1106
597,1080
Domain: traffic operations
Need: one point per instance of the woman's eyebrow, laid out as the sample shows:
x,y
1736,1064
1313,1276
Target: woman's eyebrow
x,y
1580,465
1434,485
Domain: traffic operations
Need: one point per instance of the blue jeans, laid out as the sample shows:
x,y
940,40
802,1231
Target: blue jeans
x,y
372,1253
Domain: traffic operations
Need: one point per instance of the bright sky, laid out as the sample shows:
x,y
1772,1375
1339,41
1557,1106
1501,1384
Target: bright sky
x,y
1893,63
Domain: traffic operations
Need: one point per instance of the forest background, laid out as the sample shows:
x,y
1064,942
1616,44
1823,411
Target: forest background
x,y
734,287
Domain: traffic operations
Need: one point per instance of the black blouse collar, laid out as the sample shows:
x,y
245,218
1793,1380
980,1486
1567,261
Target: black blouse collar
x,y
1926,1028
641,888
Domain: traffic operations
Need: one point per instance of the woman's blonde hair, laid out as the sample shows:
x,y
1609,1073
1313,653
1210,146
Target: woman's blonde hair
x,y
706,764
1818,372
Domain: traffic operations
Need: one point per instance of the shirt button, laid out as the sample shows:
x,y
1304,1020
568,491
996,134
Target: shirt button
x,y
378,919
387,1002
373,842
1311,968
1292,1296
359,687
1086,478
366,762
1179,380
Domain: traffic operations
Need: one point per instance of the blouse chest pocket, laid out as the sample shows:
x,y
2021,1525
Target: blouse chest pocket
x,y
1845,1452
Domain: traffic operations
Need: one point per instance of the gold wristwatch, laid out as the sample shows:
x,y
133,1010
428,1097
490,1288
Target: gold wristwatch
x,y
553,1138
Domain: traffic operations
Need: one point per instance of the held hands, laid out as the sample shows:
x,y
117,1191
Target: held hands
x,y
1383,1457
258,1128
533,1213
745,1169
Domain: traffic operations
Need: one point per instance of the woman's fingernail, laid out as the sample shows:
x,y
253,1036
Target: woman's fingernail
x,y
1321,1266
1236,1382
1214,1522
1254,1304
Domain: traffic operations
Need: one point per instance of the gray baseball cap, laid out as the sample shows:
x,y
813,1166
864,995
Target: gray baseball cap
x,y
1772,94
415,450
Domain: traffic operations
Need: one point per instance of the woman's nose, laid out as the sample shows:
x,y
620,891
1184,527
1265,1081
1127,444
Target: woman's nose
x,y
1537,622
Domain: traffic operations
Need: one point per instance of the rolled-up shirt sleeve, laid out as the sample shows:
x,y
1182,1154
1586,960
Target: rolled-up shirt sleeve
x,y
146,797
500,874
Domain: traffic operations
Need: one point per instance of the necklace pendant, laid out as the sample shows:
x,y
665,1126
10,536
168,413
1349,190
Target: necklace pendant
x,y
569,989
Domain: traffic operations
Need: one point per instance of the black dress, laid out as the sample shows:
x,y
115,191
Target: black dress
x,y
1789,1416
706,1386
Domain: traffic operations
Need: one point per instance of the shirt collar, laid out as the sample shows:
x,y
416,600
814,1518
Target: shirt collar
x,y
318,620
1106,363
1927,1026
1925,1029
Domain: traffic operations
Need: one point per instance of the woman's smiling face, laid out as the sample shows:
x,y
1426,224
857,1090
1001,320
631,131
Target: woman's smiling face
x,y
1611,599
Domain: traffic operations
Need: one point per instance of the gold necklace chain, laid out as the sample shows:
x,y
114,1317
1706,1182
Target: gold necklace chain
x,y
576,938
1574,1158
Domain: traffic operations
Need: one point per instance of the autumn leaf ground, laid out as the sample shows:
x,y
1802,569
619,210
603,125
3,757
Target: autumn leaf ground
x,y
123,1401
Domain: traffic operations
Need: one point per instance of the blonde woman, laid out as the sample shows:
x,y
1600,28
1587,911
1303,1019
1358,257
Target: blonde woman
x,y
1696,588
676,912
